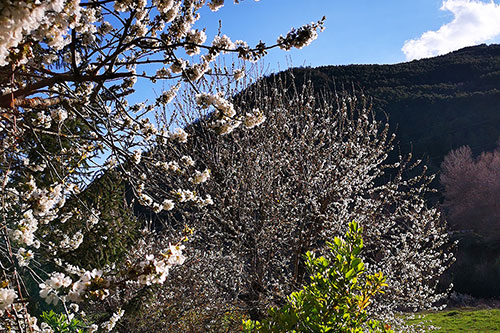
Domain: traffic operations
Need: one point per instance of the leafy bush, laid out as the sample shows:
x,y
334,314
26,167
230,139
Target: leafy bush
x,y
60,323
337,297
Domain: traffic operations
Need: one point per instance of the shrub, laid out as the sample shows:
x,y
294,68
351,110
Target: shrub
x,y
60,323
337,296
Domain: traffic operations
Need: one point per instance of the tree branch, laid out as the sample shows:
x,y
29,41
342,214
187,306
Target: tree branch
x,y
5,100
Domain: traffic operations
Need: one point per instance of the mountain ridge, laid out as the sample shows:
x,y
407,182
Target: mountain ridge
x,y
435,104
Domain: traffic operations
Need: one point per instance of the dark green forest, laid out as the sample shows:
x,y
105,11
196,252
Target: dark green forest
x,y
433,105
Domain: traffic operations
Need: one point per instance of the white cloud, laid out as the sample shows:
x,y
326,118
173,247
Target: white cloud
x,y
474,22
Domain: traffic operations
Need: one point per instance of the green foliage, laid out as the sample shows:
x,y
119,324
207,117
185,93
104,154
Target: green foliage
x,y
60,323
115,232
337,296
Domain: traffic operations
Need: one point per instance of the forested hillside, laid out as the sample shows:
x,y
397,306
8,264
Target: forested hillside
x,y
434,105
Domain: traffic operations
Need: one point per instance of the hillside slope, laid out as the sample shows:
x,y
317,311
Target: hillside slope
x,y
434,104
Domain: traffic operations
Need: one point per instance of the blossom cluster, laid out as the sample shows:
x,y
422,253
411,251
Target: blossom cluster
x,y
254,119
155,271
49,289
50,20
38,205
111,323
300,37
224,118
7,297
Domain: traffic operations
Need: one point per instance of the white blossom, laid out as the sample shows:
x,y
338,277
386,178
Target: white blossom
x,y
168,95
24,256
111,323
200,177
239,74
59,115
136,157
176,257
254,119
197,37
215,5
180,135
223,42
224,106
204,100
167,204
226,126
187,160
7,297
300,37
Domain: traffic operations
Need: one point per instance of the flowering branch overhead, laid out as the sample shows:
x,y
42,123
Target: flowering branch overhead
x,y
81,38
68,69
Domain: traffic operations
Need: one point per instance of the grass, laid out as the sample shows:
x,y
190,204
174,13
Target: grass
x,y
462,320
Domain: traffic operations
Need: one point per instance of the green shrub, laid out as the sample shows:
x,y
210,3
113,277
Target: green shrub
x,y
336,298
59,323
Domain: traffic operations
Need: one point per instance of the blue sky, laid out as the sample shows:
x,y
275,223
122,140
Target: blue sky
x,y
357,31
361,31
